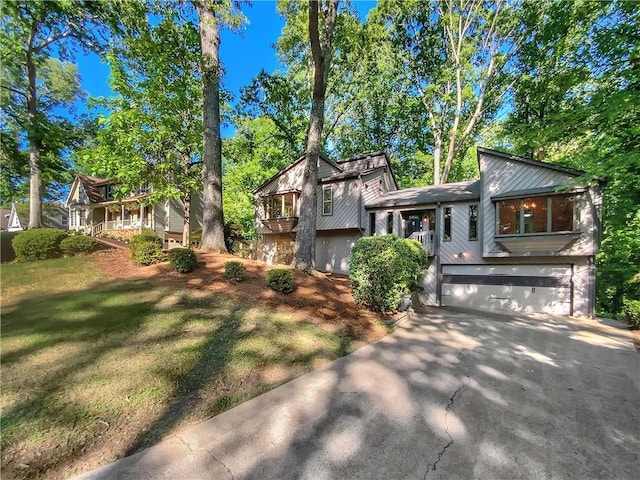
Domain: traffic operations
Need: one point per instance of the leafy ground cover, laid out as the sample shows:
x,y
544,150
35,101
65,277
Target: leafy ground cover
x,y
101,358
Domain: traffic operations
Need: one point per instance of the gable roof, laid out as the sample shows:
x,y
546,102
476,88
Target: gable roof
x,y
447,192
4,218
530,161
290,166
21,212
90,185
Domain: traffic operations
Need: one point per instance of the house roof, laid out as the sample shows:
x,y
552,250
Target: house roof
x,y
290,166
448,192
4,218
90,185
530,161
348,175
21,210
532,192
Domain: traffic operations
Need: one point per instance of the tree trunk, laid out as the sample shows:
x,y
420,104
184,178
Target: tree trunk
x,y
186,228
35,180
212,216
305,245
437,153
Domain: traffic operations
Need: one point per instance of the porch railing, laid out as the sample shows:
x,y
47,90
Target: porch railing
x,y
426,238
123,224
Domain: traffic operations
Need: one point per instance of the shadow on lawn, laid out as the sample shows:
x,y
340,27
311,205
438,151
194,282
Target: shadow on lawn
x,y
80,368
56,347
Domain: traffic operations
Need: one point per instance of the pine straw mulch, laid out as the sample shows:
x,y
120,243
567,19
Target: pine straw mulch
x,y
317,299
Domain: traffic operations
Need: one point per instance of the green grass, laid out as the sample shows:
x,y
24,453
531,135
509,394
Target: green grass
x,y
97,367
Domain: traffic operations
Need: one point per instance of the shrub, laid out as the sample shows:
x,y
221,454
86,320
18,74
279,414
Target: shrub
x,y
77,244
631,312
280,280
38,244
234,271
146,248
182,260
382,268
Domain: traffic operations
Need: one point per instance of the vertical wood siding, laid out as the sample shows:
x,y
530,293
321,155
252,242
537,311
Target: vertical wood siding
x,y
500,176
345,209
450,251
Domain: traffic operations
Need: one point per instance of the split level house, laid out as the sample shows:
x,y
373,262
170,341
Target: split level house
x,y
94,210
523,237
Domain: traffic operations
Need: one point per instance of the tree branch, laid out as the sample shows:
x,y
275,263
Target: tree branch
x,y
16,91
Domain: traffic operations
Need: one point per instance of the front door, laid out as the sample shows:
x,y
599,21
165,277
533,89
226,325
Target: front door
x,y
419,221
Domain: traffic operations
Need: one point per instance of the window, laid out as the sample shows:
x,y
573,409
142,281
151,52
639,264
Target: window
x,y
282,205
473,222
372,224
554,213
327,201
447,224
389,222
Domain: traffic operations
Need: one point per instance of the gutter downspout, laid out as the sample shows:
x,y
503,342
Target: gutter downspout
x,y
360,205
437,255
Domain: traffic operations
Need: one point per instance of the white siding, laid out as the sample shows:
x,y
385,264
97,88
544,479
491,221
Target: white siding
x,y
543,299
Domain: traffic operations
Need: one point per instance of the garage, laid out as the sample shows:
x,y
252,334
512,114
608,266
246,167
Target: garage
x,y
520,288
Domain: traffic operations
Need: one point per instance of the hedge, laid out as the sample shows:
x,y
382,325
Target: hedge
x,y
183,260
38,244
146,248
280,280
78,244
382,268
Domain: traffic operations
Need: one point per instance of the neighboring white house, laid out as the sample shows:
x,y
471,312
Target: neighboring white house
x,y
54,215
93,210
523,237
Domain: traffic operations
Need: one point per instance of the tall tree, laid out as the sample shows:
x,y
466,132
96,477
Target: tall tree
x,y
578,102
455,51
211,15
322,52
152,131
36,36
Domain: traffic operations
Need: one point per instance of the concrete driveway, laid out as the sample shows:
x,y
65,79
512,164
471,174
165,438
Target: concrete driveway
x,y
451,394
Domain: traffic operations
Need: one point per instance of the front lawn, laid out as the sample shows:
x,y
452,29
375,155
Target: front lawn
x,y
95,368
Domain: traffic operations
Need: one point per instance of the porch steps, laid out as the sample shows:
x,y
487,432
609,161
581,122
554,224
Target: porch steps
x,y
110,242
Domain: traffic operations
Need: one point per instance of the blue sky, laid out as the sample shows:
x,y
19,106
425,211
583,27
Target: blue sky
x,y
243,55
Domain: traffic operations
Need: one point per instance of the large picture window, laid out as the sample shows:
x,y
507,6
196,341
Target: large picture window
x,y
554,213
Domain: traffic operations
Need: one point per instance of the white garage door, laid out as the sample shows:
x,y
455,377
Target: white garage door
x,y
521,288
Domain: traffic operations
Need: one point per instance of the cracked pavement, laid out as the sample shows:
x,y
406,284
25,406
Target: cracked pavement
x,y
451,394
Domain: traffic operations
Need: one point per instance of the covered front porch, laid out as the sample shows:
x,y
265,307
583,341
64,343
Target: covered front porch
x,y
124,216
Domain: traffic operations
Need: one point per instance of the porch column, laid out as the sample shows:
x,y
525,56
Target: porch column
x,y
122,215
293,201
282,204
141,213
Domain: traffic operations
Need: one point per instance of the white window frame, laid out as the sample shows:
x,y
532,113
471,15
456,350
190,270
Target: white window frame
x,y
328,202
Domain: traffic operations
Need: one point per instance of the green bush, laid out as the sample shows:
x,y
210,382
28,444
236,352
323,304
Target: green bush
x,y
382,268
234,271
38,244
146,248
631,312
182,260
77,244
280,280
